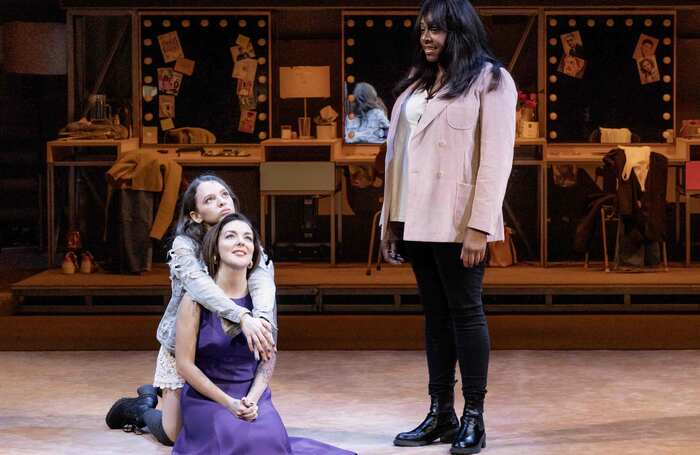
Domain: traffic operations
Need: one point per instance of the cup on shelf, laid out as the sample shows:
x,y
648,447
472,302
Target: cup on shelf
x,y
286,131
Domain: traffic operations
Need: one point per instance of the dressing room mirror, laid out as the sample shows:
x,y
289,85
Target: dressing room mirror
x,y
377,50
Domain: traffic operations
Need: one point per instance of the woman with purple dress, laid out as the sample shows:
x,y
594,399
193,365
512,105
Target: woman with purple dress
x,y
226,402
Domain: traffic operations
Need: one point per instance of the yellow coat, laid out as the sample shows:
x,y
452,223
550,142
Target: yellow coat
x,y
147,170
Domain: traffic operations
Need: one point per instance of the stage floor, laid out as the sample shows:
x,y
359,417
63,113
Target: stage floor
x,y
539,402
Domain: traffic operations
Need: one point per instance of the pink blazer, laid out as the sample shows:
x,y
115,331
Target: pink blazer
x,y
460,157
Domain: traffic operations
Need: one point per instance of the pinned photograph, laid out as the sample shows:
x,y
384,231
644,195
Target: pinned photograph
x,y
166,106
167,124
169,81
244,88
572,44
572,66
245,69
184,66
248,103
242,52
247,122
149,135
170,47
243,41
646,47
648,70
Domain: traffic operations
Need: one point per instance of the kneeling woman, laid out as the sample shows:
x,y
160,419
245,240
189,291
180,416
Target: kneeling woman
x,y
226,403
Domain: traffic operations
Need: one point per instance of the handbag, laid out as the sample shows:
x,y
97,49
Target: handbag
x,y
502,253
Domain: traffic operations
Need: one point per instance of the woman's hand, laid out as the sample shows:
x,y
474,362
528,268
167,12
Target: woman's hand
x,y
258,334
473,248
243,409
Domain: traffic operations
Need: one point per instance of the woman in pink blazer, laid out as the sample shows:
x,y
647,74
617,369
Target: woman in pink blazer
x,y
449,156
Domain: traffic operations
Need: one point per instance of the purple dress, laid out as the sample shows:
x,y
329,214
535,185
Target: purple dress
x,y
209,428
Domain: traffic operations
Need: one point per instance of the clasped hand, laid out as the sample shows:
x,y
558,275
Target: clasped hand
x,y
244,409
258,334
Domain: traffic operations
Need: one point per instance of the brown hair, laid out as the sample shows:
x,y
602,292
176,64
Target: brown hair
x,y
185,225
210,245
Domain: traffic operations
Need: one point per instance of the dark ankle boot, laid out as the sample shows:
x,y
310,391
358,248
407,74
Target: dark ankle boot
x,y
441,423
128,412
151,392
471,437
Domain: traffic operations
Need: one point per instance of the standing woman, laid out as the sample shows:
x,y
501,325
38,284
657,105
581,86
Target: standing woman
x,y
449,156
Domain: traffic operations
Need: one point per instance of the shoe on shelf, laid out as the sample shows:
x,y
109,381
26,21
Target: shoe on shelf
x,y
87,263
69,264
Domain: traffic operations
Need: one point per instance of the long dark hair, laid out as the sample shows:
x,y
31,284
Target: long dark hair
x,y
210,245
366,99
185,224
464,53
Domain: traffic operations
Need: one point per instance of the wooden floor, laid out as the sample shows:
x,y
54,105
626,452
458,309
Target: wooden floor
x,y
538,403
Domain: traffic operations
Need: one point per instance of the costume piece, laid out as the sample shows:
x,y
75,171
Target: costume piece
x,y
149,171
210,428
615,135
455,324
637,159
459,159
641,206
166,376
369,128
411,112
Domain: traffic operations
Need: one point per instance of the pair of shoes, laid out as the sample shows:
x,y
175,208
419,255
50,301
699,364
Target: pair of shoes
x,y
70,263
467,436
440,423
127,413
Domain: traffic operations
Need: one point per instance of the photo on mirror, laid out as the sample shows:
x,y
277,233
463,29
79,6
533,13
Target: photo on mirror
x,y
572,66
572,44
648,70
169,81
166,106
646,47
170,46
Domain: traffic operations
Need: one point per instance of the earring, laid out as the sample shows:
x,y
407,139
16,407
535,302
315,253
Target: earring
x,y
250,266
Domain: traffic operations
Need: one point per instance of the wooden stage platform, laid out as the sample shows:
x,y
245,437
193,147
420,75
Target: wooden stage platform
x,y
314,288
323,307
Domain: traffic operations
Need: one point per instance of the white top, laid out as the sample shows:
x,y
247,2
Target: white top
x,y
411,112
637,159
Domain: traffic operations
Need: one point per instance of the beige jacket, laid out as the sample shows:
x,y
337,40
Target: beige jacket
x,y
459,157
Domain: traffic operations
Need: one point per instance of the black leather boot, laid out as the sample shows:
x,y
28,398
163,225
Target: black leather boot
x,y
441,423
128,412
471,437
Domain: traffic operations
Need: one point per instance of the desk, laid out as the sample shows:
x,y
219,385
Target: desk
x,y
65,153
57,154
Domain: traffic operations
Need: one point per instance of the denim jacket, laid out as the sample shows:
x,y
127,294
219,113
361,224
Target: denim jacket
x,y
370,128
188,274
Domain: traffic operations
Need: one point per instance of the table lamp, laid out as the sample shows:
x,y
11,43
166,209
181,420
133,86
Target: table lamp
x,y
305,82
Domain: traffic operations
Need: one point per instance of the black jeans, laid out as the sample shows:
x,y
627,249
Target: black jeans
x,y
455,324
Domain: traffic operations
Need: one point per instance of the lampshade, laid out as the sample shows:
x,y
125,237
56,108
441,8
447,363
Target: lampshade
x,y
305,82
34,48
